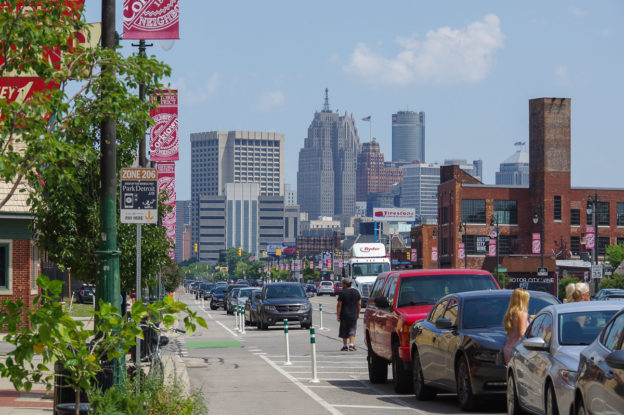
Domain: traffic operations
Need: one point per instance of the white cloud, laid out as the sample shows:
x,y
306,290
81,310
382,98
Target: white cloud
x,y
579,12
270,100
192,91
446,56
562,75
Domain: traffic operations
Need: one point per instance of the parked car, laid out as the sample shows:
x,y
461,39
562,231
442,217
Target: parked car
x,y
230,299
610,294
243,294
458,347
203,289
337,287
86,294
218,297
251,307
310,289
325,287
600,379
283,300
543,366
399,299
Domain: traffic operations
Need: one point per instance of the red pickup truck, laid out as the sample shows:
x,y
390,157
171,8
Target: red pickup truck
x,y
397,300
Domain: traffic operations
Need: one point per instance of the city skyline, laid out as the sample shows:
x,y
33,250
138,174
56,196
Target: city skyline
x,y
472,72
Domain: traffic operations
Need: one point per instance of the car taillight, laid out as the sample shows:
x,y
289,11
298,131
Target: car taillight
x,y
82,292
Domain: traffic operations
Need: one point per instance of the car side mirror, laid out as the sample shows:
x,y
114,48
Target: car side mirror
x,y
616,359
382,302
535,343
444,324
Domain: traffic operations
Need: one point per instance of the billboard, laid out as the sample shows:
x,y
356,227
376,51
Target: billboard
x,y
394,214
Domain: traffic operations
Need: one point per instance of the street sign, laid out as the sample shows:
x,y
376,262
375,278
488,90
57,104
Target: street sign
x,y
139,195
502,270
542,272
596,271
608,271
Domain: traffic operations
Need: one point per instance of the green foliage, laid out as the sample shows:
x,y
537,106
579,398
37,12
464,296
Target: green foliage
x,y
54,335
563,283
615,254
172,277
310,274
501,278
614,281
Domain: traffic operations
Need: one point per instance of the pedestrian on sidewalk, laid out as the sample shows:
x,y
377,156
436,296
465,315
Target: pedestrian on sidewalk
x,y
347,313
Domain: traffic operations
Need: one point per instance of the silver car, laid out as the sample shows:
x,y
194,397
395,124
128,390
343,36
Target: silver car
x,y
244,294
541,372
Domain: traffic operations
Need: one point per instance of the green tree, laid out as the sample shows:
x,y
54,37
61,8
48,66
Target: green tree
x,y
241,270
615,254
171,277
614,281
563,283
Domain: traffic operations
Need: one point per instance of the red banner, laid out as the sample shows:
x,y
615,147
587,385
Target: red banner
x,y
536,243
164,133
461,251
434,253
492,247
151,19
166,182
590,237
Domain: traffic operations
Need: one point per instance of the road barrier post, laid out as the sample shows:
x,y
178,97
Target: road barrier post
x,y
288,362
242,313
313,344
236,318
321,313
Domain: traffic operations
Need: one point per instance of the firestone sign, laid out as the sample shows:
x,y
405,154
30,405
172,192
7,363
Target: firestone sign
x,y
394,214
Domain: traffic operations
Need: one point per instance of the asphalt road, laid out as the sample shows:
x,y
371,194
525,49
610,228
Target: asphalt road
x,y
246,373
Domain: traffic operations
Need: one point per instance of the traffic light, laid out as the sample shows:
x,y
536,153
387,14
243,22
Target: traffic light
x,y
297,253
240,251
195,247
408,255
278,252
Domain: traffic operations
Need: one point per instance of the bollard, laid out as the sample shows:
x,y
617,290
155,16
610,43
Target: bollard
x,y
203,302
236,319
313,344
288,362
321,312
242,313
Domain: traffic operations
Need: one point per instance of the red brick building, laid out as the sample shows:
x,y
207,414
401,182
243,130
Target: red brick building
x,y
372,176
465,203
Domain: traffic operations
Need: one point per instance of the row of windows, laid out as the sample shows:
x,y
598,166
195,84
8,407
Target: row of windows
x,y
263,143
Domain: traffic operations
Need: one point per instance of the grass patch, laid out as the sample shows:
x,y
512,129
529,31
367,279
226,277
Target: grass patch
x,y
78,310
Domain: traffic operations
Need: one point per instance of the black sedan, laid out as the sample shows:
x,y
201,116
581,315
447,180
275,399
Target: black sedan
x,y
600,380
218,297
283,301
458,347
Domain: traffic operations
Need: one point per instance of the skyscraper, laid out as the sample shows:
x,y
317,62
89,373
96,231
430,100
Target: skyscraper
x,y
221,157
327,163
408,136
183,222
514,170
372,174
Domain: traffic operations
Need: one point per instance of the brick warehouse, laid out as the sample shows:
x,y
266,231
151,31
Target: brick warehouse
x,y
467,204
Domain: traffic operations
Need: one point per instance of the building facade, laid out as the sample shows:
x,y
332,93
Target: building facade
x,y
290,195
372,174
327,165
548,209
408,136
183,227
514,170
220,157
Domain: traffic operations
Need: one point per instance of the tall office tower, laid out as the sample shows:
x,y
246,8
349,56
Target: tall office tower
x,y
372,174
327,164
220,157
408,136
183,222
514,170
290,196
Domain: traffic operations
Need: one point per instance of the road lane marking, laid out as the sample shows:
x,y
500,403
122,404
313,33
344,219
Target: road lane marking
x,y
369,407
398,401
221,324
304,388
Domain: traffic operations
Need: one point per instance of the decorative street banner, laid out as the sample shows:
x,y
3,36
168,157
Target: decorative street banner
x,y
461,252
151,19
164,133
537,243
492,247
166,183
590,237
414,255
320,264
434,254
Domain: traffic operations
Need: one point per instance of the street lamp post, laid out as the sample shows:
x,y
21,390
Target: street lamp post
x,y
538,216
433,235
462,231
494,226
592,210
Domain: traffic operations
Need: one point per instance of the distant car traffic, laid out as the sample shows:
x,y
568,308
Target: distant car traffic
x,y
86,294
543,366
251,307
325,287
610,294
310,289
458,347
600,376
283,300
218,297
337,287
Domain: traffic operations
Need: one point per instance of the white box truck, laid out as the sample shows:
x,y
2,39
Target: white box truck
x,y
367,261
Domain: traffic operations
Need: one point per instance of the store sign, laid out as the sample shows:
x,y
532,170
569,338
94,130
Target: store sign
x,y
394,214
482,243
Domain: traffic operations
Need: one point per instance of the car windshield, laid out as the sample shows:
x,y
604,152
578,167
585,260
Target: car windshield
x,y
479,313
582,328
285,291
372,268
244,292
428,289
220,289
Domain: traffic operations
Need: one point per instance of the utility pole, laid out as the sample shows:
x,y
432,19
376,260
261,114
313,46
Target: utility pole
x,y
108,289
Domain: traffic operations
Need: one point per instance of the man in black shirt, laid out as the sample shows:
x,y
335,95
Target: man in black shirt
x,y
347,313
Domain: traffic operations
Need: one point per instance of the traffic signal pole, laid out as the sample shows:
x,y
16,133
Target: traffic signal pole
x,y
108,288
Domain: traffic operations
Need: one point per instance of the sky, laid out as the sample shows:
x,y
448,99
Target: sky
x,y
471,66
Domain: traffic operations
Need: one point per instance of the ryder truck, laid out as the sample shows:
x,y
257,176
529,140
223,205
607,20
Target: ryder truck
x,y
367,261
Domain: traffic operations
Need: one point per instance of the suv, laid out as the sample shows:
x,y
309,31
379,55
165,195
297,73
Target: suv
x,y
218,297
85,294
325,287
397,300
283,301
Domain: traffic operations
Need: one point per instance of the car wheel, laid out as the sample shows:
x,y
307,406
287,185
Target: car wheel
x,y
262,325
401,378
513,406
467,400
377,367
422,391
213,307
579,408
551,401
305,326
227,310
